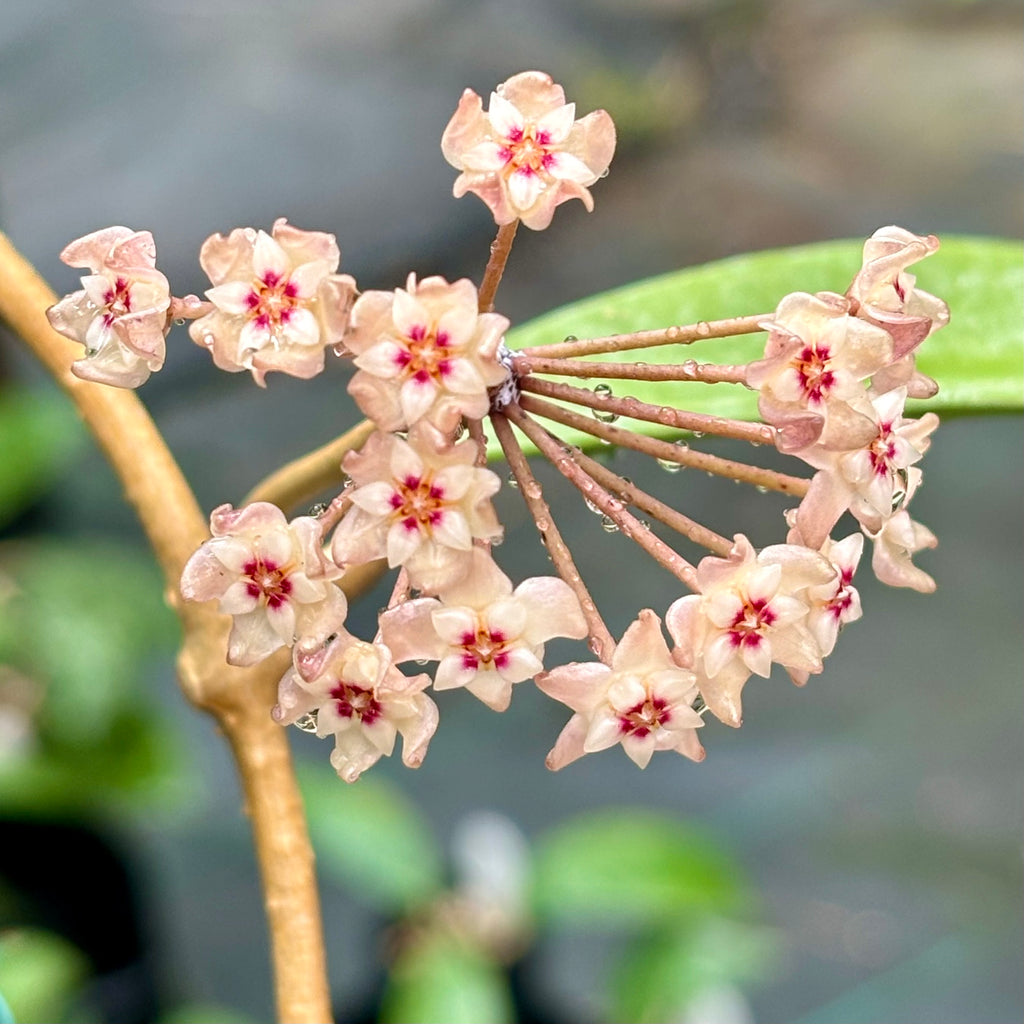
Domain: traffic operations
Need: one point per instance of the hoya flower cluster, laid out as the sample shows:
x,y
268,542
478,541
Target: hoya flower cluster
x,y
432,374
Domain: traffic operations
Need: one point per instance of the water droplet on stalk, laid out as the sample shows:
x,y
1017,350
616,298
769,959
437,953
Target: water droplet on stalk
x,y
513,482
609,525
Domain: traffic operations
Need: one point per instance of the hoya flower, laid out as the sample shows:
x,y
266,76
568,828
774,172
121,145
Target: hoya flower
x,y
362,699
527,153
272,576
420,502
871,480
120,315
897,539
424,353
811,380
485,636
752,611
278,302
884,293
643,700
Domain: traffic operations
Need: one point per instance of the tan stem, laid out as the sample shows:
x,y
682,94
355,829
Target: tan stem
x,y
500,249
610,506
240,699
688,370
649,339
679,419
639,498
601,640
667,451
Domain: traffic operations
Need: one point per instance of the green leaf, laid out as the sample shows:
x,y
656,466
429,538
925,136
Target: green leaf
x,y
438,980
661,974
629,867
84,618
40,973
371,839
977,359
39,432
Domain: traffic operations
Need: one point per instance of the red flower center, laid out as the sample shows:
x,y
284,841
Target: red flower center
x,y
751,623
812,367
272,301
485,648
425,354
354,701
267,582
418,502
644,717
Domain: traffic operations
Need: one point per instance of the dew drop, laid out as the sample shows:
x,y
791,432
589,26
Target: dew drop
x,y
513,482
421,661
180,321
690,367
698,434
604,173
761,489
669,466
318,509
307,723
609,525
543,525
590,505
570,337
532,490
703,328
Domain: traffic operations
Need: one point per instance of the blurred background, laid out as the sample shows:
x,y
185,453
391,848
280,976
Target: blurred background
x,y
871,821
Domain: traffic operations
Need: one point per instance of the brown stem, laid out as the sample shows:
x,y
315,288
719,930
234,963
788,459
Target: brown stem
x,y
601,640
667,451
649,339
689,370
640,499
500,249
239,698
630,526
678,419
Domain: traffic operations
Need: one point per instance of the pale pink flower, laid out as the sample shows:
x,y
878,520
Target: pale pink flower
x,y
420,502
811,380
643,700
272,576
832,605
424,353
870,481
359,697
527,153
752,611
120,316
896,540
485,636
278,301
884,293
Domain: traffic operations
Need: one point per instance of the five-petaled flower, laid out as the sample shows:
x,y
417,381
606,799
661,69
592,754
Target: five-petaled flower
x,y
424,352
120,315
271,575
421,502
643,700
278,302
752,610
527,153
359,697
485,636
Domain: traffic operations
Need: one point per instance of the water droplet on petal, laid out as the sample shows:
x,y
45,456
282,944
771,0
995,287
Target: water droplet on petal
x,y
307,723
180,321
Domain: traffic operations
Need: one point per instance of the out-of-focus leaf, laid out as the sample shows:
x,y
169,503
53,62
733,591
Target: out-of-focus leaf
x,y
629,867
661,974
39,431
371,839
438,980
137,763
83,620
977,359
40,974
